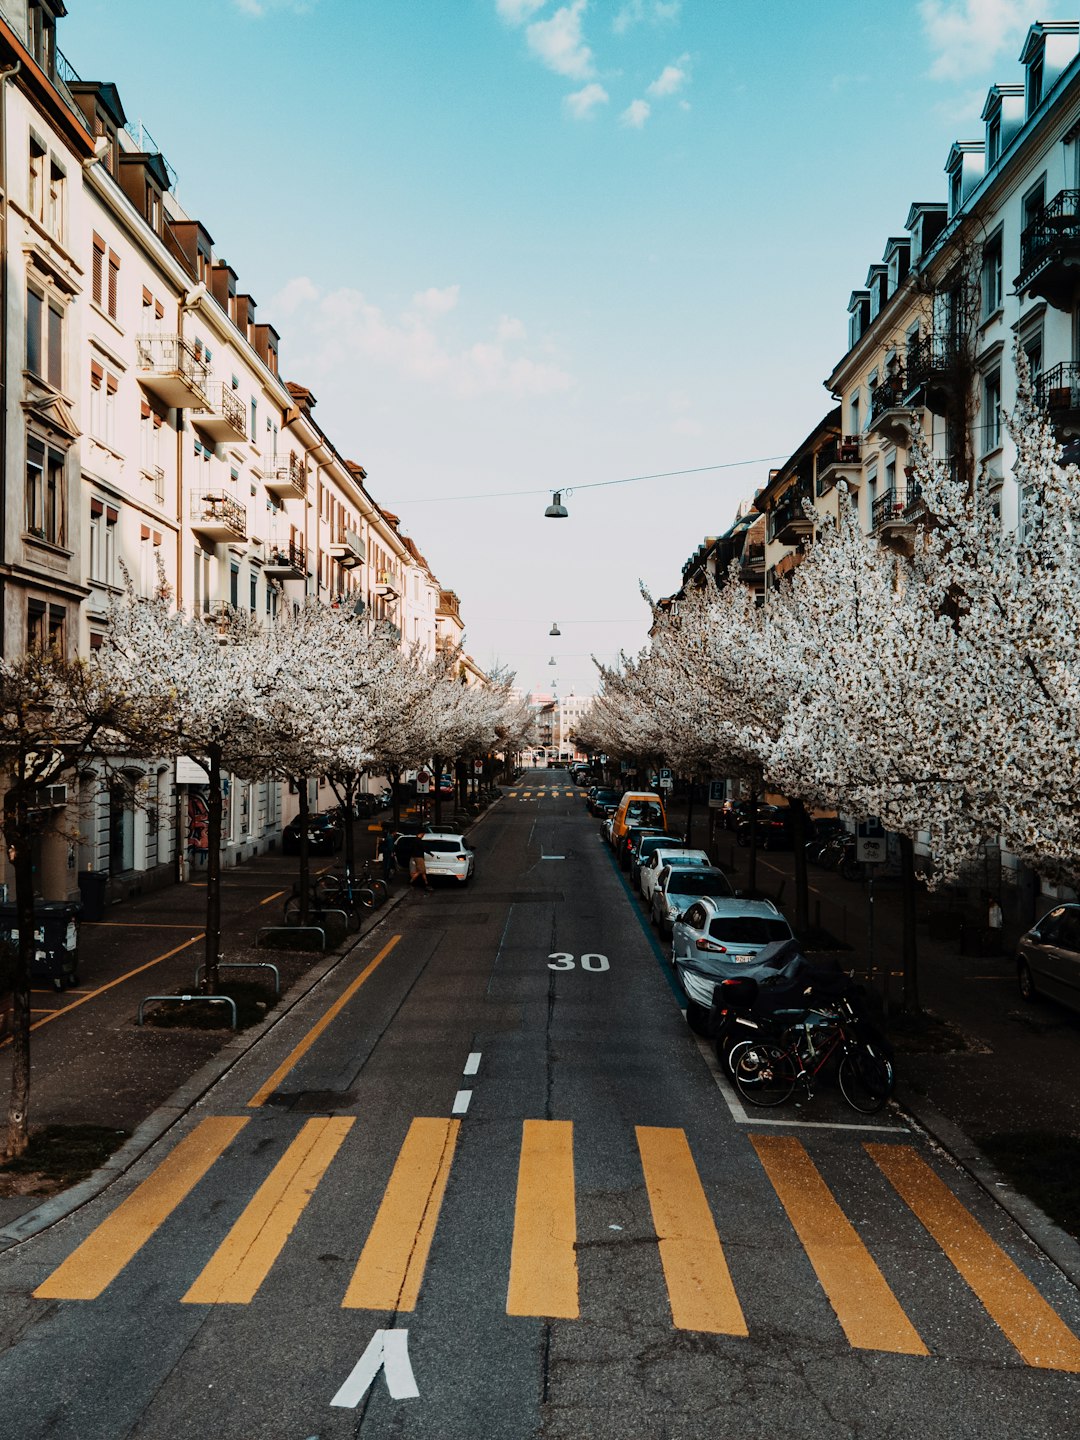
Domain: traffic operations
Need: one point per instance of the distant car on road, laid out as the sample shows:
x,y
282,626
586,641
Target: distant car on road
x,y
324,835
602,800
773,824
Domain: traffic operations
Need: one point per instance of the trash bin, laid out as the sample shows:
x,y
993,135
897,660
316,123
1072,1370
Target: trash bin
x,y
92,885
56,935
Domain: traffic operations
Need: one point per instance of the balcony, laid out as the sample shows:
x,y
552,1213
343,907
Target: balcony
x,y
841,459
891,416
285,475
1050,252
347,549
224,418
894,512
286,562
790,523
1057,391
217,516
752,562
386,585
933,372
171,369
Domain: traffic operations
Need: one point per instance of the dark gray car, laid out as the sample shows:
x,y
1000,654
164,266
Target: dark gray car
x,y
1048,957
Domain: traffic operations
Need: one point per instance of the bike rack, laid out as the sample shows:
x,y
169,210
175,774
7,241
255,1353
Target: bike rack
x,y
189,999
246,965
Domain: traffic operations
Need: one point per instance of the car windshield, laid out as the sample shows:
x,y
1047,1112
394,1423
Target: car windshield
x,y
748,929
694,882
656,842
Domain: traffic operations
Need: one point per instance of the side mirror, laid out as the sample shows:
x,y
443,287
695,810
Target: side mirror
x,y
738,894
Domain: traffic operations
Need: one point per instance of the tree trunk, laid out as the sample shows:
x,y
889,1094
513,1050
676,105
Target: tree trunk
x,y
802,884
17,830
690,810
908,941
349,807
751,881
212,951
395,783
305,855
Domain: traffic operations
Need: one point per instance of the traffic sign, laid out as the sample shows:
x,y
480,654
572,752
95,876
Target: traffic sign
x,y
871,843
716,794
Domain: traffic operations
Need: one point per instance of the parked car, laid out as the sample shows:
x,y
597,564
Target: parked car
x,y
773,828
324,833
732,811
644,848
450,856
715,939
630,837
639,807
664,855
677,886
1048,957
599,797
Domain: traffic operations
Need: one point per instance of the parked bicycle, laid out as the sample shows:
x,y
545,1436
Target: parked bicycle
x,y
333,892
337,884
767,1068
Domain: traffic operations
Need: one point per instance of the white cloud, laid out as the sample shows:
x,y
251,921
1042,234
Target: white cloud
x,y
966,36
434,301
635,12
684,425
559,43
635,115
516,12
298,291
582,103
671,79
342,331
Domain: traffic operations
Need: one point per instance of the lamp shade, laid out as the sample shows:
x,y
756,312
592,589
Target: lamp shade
x,y
556,510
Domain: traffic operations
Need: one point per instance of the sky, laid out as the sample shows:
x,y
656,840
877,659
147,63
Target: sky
x,y
515,246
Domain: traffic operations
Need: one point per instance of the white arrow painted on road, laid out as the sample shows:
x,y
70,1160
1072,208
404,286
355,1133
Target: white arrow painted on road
x,y
388,1350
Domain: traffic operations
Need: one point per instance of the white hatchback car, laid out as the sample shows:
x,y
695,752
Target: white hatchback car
x,y
660,857
449,855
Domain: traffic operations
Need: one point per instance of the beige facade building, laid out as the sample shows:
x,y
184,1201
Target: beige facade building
x,y
149,418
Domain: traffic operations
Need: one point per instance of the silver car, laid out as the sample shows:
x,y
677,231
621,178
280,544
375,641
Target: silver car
x,y
1048,957
716,938
678,886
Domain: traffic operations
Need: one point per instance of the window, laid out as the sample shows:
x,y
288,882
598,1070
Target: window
x,y
103,388
993,140
45,495
44,338
1034,201
113,292
40,35
35,197
254,421
45,626
234,585
54,202
1032,346
103,542
202,582
991,276
991,410
253,591
97,275
955,189
1035,84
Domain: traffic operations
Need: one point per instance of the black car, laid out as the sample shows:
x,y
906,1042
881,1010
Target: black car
x,y
602,800
645,847
324,835
774,828
732,812
628,840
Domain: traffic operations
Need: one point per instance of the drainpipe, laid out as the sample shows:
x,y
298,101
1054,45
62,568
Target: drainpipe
x,y
8,72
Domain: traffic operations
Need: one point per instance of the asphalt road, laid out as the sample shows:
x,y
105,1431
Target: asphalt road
x,y
482,1183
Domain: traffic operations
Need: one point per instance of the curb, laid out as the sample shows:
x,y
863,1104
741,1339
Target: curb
x,y
1056,1244
157,1124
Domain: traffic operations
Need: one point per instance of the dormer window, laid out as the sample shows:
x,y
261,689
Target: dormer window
x,y
41,35
1035,84
955,191
993,140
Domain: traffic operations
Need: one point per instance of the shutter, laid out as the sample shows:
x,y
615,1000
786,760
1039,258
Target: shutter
x,y
98,271
114,280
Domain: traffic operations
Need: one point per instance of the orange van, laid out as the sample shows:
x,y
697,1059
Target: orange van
x,y
638,807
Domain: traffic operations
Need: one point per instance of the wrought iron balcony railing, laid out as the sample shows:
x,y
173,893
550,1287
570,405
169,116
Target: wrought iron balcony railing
x,y
1057,221
888,395
896,505
931,357
1058,389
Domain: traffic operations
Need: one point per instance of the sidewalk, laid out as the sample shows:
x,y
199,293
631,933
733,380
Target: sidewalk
x,y
92,1065
995,1084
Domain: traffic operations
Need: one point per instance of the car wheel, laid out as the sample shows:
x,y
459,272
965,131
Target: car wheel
x,y
697,1017
1025,981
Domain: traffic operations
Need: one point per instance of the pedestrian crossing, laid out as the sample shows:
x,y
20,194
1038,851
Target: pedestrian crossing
x,y
542,792
543,1279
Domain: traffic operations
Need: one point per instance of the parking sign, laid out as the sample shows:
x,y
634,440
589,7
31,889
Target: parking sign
x,y
871,845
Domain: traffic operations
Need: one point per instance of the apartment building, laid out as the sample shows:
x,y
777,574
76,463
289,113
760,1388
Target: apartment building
x,y
146,408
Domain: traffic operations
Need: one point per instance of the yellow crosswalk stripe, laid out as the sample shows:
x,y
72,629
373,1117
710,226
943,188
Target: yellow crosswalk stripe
x,y
392,1262
104,1253
868,1312
513,794
699,1283
1028,1322
243,1260
543,1258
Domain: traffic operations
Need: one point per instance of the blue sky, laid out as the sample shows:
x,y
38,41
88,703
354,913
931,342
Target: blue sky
x,y
514,245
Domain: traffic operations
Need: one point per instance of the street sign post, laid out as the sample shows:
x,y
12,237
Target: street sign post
x,y
870,843
716,794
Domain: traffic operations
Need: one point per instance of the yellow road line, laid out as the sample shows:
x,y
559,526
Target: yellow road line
x,y
317,1029
698,1280
243,1259
93,994
276,896
869,1313
395,1255
1010,1298
129,925
543,1258
106,1250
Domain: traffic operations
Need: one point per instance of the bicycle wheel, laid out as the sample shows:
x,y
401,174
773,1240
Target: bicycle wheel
x,y
328,890
763,1072
379,888
292,910
866,1079
364,898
